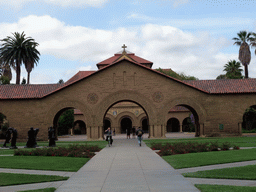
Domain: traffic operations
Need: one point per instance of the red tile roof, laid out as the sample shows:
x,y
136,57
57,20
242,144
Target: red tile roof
x,y
27,91
79,75
115,58
225,86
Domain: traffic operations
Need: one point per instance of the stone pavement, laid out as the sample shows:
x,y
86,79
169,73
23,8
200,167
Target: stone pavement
x,y
126,167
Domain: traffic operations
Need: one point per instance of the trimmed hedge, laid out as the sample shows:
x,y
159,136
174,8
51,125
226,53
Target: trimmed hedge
x,y
189,147
85,151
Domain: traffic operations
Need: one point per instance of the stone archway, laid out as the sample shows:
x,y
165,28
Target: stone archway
x,y
79,127
130,96
173,125
125,123
198,112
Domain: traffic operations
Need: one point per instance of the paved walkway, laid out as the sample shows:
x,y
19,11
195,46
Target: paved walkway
x,y
126,167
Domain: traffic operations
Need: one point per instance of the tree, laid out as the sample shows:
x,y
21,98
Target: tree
x,y
61,81
66,122
18,50
23,82
233,70
222,76
253,42
4,80
244,51
175,75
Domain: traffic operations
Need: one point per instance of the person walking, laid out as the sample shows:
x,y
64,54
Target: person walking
x,y
128,132
109,135
139,134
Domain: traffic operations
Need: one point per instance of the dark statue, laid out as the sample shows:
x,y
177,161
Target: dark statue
x,y
7,137
51,137
32,133
14,138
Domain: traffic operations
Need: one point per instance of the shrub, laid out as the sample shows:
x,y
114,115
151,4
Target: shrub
x,y
85,151
225,146
214,146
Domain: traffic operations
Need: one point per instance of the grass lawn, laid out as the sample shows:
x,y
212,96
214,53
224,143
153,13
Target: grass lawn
x,y
210,158
41,190
239,141
43,163
7,179
244,172
225,188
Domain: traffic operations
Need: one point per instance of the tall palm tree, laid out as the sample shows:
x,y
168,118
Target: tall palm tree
x,y
31,61
17,50
244,51
233,70
253,42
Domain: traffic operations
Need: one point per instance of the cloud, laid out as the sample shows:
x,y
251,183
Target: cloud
x,y
197,54
18,4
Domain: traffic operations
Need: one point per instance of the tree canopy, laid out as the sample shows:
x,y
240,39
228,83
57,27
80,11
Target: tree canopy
x,y
17,50
180,76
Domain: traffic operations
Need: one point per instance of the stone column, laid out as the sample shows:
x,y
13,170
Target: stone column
x,y
88,132
180,128
163,131
151,131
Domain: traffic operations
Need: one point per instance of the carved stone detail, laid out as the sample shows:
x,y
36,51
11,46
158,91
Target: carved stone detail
x,y
92,98
158,97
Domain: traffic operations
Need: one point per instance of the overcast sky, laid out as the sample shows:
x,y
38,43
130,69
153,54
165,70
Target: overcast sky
x,y
189,36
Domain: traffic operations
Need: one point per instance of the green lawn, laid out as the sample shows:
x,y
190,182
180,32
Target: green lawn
x,y
210,158
7,179
225,188
244,172
239,141
41,190
43,163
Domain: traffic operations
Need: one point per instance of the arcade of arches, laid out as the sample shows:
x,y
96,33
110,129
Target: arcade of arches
x,y
157,102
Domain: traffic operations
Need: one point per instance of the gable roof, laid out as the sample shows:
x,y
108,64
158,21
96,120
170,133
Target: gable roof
x,y
225,86
124,55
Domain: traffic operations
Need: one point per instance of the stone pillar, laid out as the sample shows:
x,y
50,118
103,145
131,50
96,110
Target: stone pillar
x,y
163,131
158,131
180,128
151,131
88,132
240,129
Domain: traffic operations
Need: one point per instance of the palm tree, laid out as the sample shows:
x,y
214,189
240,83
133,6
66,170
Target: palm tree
x,y
233,70
253,42
17,50
244,51
31,61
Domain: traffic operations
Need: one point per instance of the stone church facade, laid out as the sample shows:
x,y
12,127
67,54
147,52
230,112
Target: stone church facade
x,y
217,105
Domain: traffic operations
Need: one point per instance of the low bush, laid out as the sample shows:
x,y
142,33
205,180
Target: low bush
x,y
225,146
85,151
189,147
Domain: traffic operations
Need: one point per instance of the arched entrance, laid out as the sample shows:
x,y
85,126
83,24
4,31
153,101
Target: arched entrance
x,y
125,124
173,125
79,127
188,124
249,119
124,115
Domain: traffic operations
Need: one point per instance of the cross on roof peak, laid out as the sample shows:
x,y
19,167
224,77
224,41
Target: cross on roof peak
x,y
124,46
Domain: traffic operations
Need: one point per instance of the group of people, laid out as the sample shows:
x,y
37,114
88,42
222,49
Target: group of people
x,y
11,134
139,132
